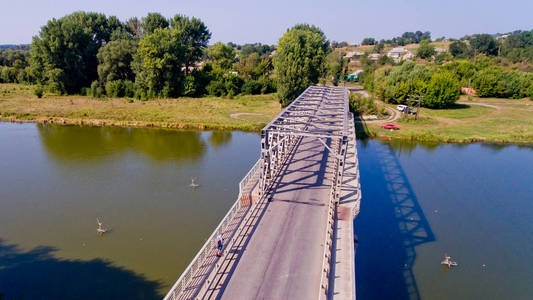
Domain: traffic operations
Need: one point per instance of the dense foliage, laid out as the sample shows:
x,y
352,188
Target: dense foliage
x,y
64,54
152,57
299,60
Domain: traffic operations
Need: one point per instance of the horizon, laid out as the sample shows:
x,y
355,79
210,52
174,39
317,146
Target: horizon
x,y
266,22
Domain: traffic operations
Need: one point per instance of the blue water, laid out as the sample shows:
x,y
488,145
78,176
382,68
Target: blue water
x,y
473,202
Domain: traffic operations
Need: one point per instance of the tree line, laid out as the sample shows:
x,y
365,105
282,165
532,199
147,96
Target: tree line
x,y
440,85
155,57
152,57
404,39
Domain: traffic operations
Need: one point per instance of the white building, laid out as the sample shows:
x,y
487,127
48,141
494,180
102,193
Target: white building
x,y
397,53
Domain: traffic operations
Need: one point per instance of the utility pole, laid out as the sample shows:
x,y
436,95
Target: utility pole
x,y
418,108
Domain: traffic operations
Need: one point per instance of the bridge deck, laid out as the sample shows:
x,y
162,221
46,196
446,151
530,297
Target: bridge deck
x,y
284,255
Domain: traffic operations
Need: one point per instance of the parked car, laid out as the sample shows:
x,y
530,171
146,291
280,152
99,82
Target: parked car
x,y
390,126
401,107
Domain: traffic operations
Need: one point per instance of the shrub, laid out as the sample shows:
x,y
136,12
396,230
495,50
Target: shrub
x,y
96,90
464,70
268,85
115,88
233,84
495,82
216,88
442,90
129,88
251,87
38,91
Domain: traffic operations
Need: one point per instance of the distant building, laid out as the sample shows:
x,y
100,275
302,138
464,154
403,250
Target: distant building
x,y
503,36
374,56
397,53
440,50
354,54
408,56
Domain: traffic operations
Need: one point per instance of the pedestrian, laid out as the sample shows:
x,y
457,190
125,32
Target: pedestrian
x,y
220,243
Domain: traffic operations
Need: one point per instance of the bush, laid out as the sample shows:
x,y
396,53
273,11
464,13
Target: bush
x,y
396,84
464,70
268,85
216,88
251,87
38,91
495,82
233,84
96,90
129,88
442,90
115,88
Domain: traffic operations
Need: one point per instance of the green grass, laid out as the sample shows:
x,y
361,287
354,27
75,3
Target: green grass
x,y
17,103
459,111
471,123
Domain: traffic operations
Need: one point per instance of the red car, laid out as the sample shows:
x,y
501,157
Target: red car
x,y
390,126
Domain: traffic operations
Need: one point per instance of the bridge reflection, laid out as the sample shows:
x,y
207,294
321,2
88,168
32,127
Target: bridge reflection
x,y
389,227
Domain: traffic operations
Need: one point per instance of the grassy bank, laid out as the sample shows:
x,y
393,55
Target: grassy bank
x,y
479,120
248,113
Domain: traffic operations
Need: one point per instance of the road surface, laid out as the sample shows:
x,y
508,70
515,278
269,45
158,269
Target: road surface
x,y
283,258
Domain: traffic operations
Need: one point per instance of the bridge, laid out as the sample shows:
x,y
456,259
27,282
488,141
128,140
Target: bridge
x,y
289,234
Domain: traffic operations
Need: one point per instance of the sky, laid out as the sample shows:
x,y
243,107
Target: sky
x,y
248,21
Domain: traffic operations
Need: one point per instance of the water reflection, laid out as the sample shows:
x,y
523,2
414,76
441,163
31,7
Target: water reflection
x,y
385,257
219,138
37,274
86,143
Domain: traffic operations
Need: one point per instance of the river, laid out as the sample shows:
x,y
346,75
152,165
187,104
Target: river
x,y
420,202
472,202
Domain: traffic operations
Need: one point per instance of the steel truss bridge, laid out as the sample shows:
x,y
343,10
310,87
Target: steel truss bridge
x,y
289,234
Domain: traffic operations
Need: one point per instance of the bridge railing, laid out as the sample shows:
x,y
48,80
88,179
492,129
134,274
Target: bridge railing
x,y
208,246
253,171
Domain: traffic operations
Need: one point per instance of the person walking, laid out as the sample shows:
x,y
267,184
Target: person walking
x,y
220,243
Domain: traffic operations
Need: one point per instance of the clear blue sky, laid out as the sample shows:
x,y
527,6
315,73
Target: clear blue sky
x,y
244,21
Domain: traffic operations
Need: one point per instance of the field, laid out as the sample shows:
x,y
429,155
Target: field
x,y
479,120
248,113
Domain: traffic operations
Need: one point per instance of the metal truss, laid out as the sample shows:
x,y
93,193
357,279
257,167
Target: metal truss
x,y
319,112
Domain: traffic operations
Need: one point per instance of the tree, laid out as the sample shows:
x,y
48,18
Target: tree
x,y
158,64
460,49
299,60
134,27
425,50
484,44
442,90
247,65
368,41
192,33
63,55
335,66
153,21
222,55
115,59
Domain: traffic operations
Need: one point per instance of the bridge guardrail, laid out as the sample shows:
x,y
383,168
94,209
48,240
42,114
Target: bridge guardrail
x,y
191,269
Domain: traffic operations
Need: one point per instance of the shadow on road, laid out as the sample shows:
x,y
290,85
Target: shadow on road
x,y
36,274
389,227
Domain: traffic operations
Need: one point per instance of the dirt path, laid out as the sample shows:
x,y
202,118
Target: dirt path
x,y
237,115
480,104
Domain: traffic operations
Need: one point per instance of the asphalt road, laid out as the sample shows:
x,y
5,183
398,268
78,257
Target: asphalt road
x,y
283,258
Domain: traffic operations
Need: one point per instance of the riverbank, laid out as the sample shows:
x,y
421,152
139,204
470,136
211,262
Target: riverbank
x,y
477,120
246,113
